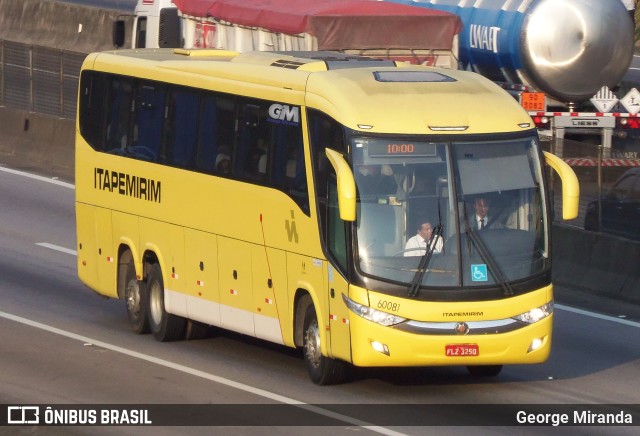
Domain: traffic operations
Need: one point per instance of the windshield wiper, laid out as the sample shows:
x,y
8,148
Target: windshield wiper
x,y
486,256
414,289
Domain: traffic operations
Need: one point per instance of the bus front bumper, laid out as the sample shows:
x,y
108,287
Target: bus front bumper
x,y
376,345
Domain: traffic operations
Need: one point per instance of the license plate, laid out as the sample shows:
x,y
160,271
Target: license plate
x,y
461,350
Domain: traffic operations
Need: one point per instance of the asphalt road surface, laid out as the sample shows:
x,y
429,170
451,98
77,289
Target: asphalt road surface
x,y
633,74
62,344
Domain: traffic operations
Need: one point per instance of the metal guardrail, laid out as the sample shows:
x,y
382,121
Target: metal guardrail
x,y
39,79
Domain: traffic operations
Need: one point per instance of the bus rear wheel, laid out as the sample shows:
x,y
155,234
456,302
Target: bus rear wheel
x,y
164,326
322,370
484,370
136,299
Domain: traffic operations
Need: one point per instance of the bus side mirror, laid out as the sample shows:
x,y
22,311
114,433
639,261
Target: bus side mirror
x,y
118,34
570,186
346,185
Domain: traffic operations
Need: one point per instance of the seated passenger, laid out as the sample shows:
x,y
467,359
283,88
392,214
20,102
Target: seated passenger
x,y
375,180
481,217
223,164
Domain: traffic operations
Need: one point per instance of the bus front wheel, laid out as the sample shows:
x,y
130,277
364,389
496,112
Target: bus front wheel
x,y
164,326
322,369
136,299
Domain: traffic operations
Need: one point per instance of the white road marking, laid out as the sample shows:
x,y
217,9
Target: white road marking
x,y
57,248
205,375
597,315
40,178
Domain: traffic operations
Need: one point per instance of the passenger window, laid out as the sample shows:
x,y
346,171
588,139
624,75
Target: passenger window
x,y
336,233
287,165
216,134
147,126
119,115
92,108
251,152
181,131
209,132
324,133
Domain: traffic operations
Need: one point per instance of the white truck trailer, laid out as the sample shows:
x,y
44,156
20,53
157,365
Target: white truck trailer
x,y
380,29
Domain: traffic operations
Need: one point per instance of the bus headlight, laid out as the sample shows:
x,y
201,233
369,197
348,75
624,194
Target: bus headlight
x,y
535,315
370,314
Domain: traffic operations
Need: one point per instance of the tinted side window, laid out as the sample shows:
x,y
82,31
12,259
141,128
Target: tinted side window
x,y
93,88
286,163
216,134
181,127
252,140
251,150
141,32
269,148
118,114
324,132
336,228
147,126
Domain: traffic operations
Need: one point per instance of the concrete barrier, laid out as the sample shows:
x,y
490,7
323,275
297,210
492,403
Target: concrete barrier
x,y
37,141
597,263
58,25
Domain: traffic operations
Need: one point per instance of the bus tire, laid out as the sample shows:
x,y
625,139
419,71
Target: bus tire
x,y
484,370
136,299
322,370
196,330
164,326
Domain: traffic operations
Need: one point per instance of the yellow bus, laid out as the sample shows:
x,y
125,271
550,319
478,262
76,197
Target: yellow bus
x,y
275,194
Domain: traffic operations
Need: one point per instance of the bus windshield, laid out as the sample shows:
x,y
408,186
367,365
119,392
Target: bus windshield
x,y
450,214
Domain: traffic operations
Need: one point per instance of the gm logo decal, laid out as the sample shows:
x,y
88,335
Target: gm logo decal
x,y
284,114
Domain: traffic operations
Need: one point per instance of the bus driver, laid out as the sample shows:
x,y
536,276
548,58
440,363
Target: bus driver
x,y
417,245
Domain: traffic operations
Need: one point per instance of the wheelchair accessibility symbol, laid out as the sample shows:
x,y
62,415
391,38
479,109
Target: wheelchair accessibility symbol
x,y
479,273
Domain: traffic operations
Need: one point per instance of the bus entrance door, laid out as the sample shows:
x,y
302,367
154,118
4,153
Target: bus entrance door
x,y
338,316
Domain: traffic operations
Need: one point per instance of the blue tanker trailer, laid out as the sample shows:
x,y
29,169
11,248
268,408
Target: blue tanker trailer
x,y
568,49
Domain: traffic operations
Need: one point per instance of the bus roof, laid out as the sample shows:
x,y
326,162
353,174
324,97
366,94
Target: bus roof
x,y
337,24
361,93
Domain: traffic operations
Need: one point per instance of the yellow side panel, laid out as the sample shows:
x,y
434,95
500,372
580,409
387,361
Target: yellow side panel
x,y
167,242
236,296
309,274
202,275
270,296
96,260
87,248
126,232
